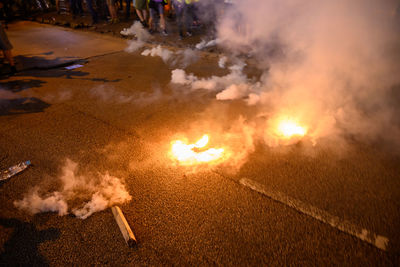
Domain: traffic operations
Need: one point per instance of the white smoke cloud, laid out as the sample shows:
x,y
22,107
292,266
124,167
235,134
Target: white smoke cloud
x,y
204,44
234,91
182,58
138,31
185,57
34,203
330,65
141,35
165,54
82,195
222,62
335,65
134,45
213,83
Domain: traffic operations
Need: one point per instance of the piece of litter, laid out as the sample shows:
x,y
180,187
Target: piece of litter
x,y
13,170
74,66
124,227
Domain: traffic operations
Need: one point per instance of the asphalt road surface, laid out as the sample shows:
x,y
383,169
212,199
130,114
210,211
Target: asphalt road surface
x,y
118,113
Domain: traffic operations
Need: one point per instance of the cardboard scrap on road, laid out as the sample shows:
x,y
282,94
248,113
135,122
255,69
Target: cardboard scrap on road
x,y
123,225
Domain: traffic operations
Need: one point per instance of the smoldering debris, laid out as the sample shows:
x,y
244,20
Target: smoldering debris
x,y
79,194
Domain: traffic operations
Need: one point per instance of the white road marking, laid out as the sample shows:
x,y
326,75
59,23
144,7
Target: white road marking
x,y
345,226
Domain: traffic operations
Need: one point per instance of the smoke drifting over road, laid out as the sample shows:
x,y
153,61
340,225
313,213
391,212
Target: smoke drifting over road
x,y
327,62
141,34
182,58
82,195
332,66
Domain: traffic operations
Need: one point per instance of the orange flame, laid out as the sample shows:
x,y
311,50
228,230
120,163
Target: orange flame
x,y
289,128
191,154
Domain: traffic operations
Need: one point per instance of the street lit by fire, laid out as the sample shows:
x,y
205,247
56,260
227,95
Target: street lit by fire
x,y
197,153
288,128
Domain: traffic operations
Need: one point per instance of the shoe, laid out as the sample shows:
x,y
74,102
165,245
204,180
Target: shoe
x,y
151,31
94,21
144,24
164,32
189,33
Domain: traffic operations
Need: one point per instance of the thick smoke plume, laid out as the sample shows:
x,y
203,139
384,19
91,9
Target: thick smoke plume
x,y
82,195
332,66
141,35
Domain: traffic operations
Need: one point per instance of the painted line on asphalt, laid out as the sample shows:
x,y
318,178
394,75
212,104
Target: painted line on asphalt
x,y
345,226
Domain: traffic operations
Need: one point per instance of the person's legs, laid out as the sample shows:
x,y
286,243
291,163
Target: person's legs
x,y
72,4
112,9
152,20
93,13
141,11
9,57
140,15
188,16
179,17
145,15
79,7
160,9
58,6
128,8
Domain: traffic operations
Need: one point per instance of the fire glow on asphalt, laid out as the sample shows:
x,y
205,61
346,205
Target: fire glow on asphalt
x,y
197,153
288,128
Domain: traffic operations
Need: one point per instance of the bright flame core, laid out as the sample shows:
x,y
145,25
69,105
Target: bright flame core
x,y
191,154
289,128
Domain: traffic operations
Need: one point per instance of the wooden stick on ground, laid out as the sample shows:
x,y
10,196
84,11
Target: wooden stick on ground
x,y
126,231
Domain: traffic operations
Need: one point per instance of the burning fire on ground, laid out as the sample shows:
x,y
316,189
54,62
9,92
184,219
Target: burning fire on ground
x,y
197,153
285,130
288,128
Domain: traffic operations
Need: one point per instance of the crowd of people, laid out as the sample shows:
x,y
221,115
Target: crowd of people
x,y
189,14
152,14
